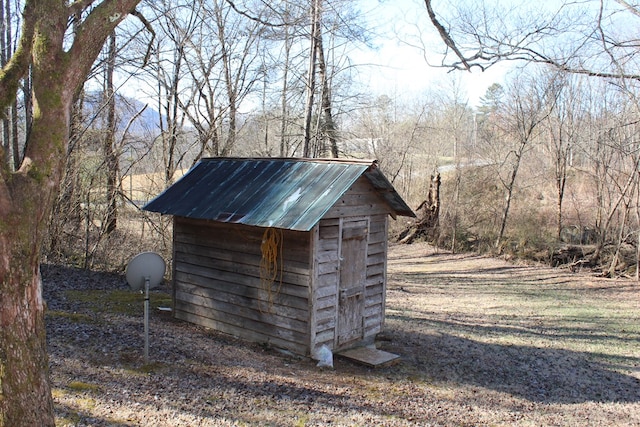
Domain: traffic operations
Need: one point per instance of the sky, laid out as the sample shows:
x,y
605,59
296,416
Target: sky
x,y
395,68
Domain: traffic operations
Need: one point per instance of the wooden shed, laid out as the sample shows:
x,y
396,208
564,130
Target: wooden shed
x,y
288,252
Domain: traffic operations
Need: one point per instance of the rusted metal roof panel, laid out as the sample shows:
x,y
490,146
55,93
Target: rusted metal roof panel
x,y
284,193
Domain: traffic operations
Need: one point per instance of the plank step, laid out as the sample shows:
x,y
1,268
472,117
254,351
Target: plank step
x,y
369,356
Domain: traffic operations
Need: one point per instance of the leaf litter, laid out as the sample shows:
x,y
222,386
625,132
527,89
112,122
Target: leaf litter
x,y
483,343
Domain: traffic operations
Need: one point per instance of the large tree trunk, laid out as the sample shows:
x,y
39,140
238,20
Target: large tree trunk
x,y
25,397
25,203
26,195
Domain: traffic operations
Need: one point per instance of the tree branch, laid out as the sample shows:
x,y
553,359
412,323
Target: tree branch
x,y
445,35
18,65
629,7
77,7
254,18
92,34
149,28
493,44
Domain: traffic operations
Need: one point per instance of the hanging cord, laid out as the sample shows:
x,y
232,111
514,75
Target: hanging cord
x,y
271,264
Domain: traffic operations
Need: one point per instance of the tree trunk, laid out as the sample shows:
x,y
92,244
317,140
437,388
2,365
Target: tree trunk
x,y
510,186
329,124
6,136
25,397
15,139
311,76
559,199
27,195
111,158
284,108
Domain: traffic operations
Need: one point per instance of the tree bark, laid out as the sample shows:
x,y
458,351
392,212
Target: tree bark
x,y
27,195
111,158
311,76
329,124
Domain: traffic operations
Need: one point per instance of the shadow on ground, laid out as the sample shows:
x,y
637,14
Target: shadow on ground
x,y
544,375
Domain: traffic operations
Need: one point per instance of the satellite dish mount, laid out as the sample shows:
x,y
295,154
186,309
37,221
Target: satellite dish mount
x,y
145,271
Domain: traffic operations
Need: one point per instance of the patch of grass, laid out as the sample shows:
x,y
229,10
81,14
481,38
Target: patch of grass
x,y
58,393
493,303
135,370
373,392
82,386
152,367
129,303
76,406
73,413
72,419
74,317
302,420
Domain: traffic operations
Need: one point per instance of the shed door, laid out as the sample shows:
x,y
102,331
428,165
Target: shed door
x,y
353,274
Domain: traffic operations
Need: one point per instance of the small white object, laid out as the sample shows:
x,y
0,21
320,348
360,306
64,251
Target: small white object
x,y
325,357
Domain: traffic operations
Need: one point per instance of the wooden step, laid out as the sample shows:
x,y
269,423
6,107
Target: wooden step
x,y
370,356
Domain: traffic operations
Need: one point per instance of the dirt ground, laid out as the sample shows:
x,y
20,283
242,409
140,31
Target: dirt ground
x,y
482,343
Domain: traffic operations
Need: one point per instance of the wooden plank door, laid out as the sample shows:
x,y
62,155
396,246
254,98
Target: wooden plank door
x,y
353,275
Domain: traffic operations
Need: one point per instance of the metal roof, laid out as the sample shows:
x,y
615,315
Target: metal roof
x,y
270,192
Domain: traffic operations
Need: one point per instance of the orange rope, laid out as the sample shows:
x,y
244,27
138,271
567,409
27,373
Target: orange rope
x,y
271,263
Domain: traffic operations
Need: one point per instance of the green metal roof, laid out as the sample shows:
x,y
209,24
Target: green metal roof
x,y
270,192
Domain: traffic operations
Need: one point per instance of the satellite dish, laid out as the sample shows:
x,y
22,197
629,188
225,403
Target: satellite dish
x,y
145,266
145,271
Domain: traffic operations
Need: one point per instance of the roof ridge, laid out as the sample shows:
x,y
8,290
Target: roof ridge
x,y
298,159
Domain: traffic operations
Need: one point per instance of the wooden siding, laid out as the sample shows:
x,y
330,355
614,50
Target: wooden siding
x,y
217,276
359,203
361,199
325,291
217,283
375,290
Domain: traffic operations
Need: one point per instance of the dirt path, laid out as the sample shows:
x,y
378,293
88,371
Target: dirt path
x,y
483,342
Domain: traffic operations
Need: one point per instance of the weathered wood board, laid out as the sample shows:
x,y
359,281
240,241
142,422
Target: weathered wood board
x,y
370,356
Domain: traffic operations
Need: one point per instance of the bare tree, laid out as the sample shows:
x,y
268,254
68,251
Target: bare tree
x,y
514,128
562,130
591,37
287,41
110,156
240,42
384,133
613,159
314,36
329,125
457,130
166,76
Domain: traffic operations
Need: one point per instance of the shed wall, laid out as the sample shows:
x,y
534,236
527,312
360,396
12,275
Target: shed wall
x,y
217,283
359,203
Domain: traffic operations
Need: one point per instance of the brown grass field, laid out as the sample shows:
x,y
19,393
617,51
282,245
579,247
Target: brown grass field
x,y
483,343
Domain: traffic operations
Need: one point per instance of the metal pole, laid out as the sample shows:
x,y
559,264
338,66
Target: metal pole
x,y
146,319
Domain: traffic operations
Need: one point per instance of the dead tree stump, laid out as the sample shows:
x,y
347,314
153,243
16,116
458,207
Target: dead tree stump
x,y
427,215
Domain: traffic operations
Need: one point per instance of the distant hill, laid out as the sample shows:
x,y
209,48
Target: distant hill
x,y
145,124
